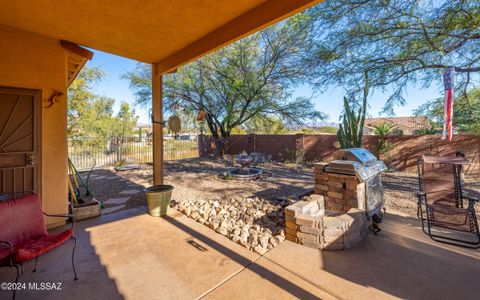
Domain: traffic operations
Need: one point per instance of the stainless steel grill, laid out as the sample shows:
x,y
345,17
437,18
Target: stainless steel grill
x,y
367,168
356,161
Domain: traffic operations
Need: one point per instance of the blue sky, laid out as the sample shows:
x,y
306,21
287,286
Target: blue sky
x,y
329,102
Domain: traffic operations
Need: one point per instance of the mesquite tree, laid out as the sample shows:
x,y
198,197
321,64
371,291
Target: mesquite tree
x,y
250,79
466,112
399,43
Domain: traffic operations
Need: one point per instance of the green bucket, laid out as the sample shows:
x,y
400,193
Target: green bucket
x,y
158,199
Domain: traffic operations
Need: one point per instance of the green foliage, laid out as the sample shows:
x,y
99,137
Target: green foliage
x,y
140,80
125,122
429,131
322,129
238,130
80,97
327,129
466,112
399,43
350,132
188,118
383,131
265,125
90,116
245,85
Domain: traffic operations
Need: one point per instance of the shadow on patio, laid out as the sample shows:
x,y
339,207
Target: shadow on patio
x,y
400,262
132,255
404,262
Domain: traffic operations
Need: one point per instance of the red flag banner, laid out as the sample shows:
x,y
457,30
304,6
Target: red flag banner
x,y
448,103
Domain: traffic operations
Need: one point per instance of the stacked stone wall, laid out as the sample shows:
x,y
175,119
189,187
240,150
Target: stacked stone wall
x,y
341,192
308,224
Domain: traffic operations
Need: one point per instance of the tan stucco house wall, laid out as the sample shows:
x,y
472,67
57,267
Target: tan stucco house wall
x,y
33,61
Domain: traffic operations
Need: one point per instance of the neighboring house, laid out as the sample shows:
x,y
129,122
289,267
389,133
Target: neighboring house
x,y
403,125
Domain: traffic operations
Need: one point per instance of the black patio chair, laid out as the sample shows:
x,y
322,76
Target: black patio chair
x,y
441,201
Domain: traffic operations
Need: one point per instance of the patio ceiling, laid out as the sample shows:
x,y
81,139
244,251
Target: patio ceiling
x,y
168,33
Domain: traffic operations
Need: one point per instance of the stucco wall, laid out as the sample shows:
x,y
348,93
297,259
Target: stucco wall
x,y
34,61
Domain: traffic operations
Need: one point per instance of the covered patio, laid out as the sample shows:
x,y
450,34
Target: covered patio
x,y
128,254
42,47
177,258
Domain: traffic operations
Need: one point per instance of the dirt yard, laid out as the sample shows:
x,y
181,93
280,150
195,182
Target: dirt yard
x,y
198,179
400,191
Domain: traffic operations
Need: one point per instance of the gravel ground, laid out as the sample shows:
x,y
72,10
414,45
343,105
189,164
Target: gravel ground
x,y
107,183
400,191
198,179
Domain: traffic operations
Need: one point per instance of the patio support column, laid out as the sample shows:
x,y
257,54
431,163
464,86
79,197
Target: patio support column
x,y
157,115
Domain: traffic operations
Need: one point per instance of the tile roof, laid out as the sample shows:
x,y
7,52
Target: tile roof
x,y
414,122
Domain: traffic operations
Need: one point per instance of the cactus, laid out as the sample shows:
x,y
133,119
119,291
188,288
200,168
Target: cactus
x,y
351,128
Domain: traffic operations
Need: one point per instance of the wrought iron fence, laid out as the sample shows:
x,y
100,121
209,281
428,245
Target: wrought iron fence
x,y
88,153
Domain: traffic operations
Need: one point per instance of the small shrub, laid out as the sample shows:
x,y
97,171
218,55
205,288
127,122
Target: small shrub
x,y
295,157
120,163
383,130
309,164
227,176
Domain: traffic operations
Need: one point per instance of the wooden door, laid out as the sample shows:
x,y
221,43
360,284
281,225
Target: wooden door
x,y
19,119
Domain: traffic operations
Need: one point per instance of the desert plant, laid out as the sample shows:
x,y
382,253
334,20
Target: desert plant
x,y
240,84
294,156
351,128
383,130
427,131
120,163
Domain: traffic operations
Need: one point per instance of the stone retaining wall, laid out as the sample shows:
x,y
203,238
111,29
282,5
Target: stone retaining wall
x,y
307,223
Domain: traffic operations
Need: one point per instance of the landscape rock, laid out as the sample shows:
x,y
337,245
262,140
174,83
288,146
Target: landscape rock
x,y
260,250
263,239
255,223
274,242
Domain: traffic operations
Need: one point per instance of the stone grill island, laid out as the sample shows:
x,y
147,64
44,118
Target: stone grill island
x,y
338,214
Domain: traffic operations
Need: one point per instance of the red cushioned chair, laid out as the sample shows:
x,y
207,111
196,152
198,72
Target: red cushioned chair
x,y
23,235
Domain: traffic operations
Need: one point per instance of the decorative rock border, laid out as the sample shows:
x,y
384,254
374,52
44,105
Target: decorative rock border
x,y
308,223
255,223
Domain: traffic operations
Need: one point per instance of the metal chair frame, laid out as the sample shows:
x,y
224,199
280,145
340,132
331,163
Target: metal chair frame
x,y
425,211
19,267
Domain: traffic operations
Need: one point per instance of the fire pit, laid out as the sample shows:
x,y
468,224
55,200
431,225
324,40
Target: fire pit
x,y
245,172
348,199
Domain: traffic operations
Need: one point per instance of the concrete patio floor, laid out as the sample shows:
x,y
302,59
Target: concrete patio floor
x,y
130,255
